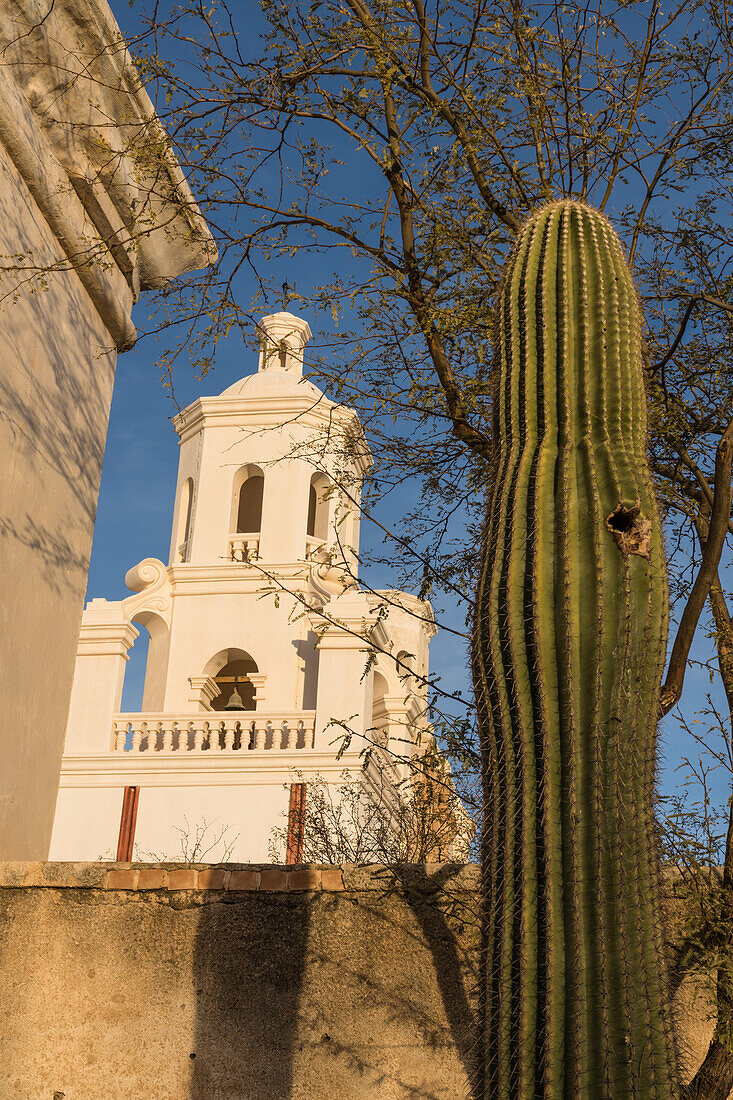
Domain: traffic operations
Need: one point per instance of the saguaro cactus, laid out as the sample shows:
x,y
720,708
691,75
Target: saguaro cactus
x,y
569,649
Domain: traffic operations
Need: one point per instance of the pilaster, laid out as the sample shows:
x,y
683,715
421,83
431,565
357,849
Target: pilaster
x,y
104,640
348,633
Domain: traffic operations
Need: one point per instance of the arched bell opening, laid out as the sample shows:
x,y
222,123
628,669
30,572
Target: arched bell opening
x,y
249,486
380,714
230,670
245,524
134,675
405,665
183,531
156,653
318,512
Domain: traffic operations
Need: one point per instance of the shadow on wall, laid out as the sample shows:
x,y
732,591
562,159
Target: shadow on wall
x,y
441,913
249,961
364,995
55,394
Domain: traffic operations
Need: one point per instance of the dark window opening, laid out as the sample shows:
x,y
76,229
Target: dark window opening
x,y
312,506
249,513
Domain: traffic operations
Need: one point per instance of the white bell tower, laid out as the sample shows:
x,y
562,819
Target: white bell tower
x,y
262,646
259,455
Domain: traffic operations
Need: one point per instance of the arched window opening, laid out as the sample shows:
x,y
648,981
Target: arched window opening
x,y
234,675
312,505
406,668
380,715
249,509
184,520
318,508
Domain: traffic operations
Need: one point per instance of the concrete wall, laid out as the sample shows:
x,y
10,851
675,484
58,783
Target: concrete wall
x,y
243,983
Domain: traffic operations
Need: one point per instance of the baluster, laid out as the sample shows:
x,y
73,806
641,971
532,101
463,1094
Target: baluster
x,y
120,731
201,731
182,736
230,728
138,728
300,735
284,736
257,738
309,736
167,728
152,737
214,735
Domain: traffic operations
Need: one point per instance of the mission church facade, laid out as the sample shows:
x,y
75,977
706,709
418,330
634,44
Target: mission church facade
x,y
265,656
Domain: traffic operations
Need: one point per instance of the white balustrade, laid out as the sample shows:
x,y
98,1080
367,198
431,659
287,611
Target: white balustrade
x,y
167,728
230,730
183,727
200,733
259,731
244,547
214,731
138,729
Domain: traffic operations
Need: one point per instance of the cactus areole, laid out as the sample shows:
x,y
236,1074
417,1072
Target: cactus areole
x,y
569,649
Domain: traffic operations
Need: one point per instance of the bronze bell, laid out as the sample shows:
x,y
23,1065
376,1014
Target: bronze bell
x,y
235,700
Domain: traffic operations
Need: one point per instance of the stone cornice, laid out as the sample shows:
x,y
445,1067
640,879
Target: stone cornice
x,y
190,578
215,769
48,183
358,633
272,411
395,598
83,135
106,639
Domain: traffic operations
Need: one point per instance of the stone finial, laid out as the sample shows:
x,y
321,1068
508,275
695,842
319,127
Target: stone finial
x,y
283,337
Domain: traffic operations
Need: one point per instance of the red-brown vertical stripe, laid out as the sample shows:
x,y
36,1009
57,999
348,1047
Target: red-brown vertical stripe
x,y
127,824
296,823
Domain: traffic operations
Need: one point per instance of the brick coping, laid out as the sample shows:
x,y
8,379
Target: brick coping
x,y
235,877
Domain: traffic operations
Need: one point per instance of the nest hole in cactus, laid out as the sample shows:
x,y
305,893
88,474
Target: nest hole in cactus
x,y
631,531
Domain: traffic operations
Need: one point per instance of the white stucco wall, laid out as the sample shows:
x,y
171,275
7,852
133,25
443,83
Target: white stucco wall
x,y
245,803
69,274
56,376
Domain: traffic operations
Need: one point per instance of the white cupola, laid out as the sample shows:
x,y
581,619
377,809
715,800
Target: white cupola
x,y
283,337
271,469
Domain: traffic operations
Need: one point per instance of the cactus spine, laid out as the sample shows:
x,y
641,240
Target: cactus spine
x,y
569,649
